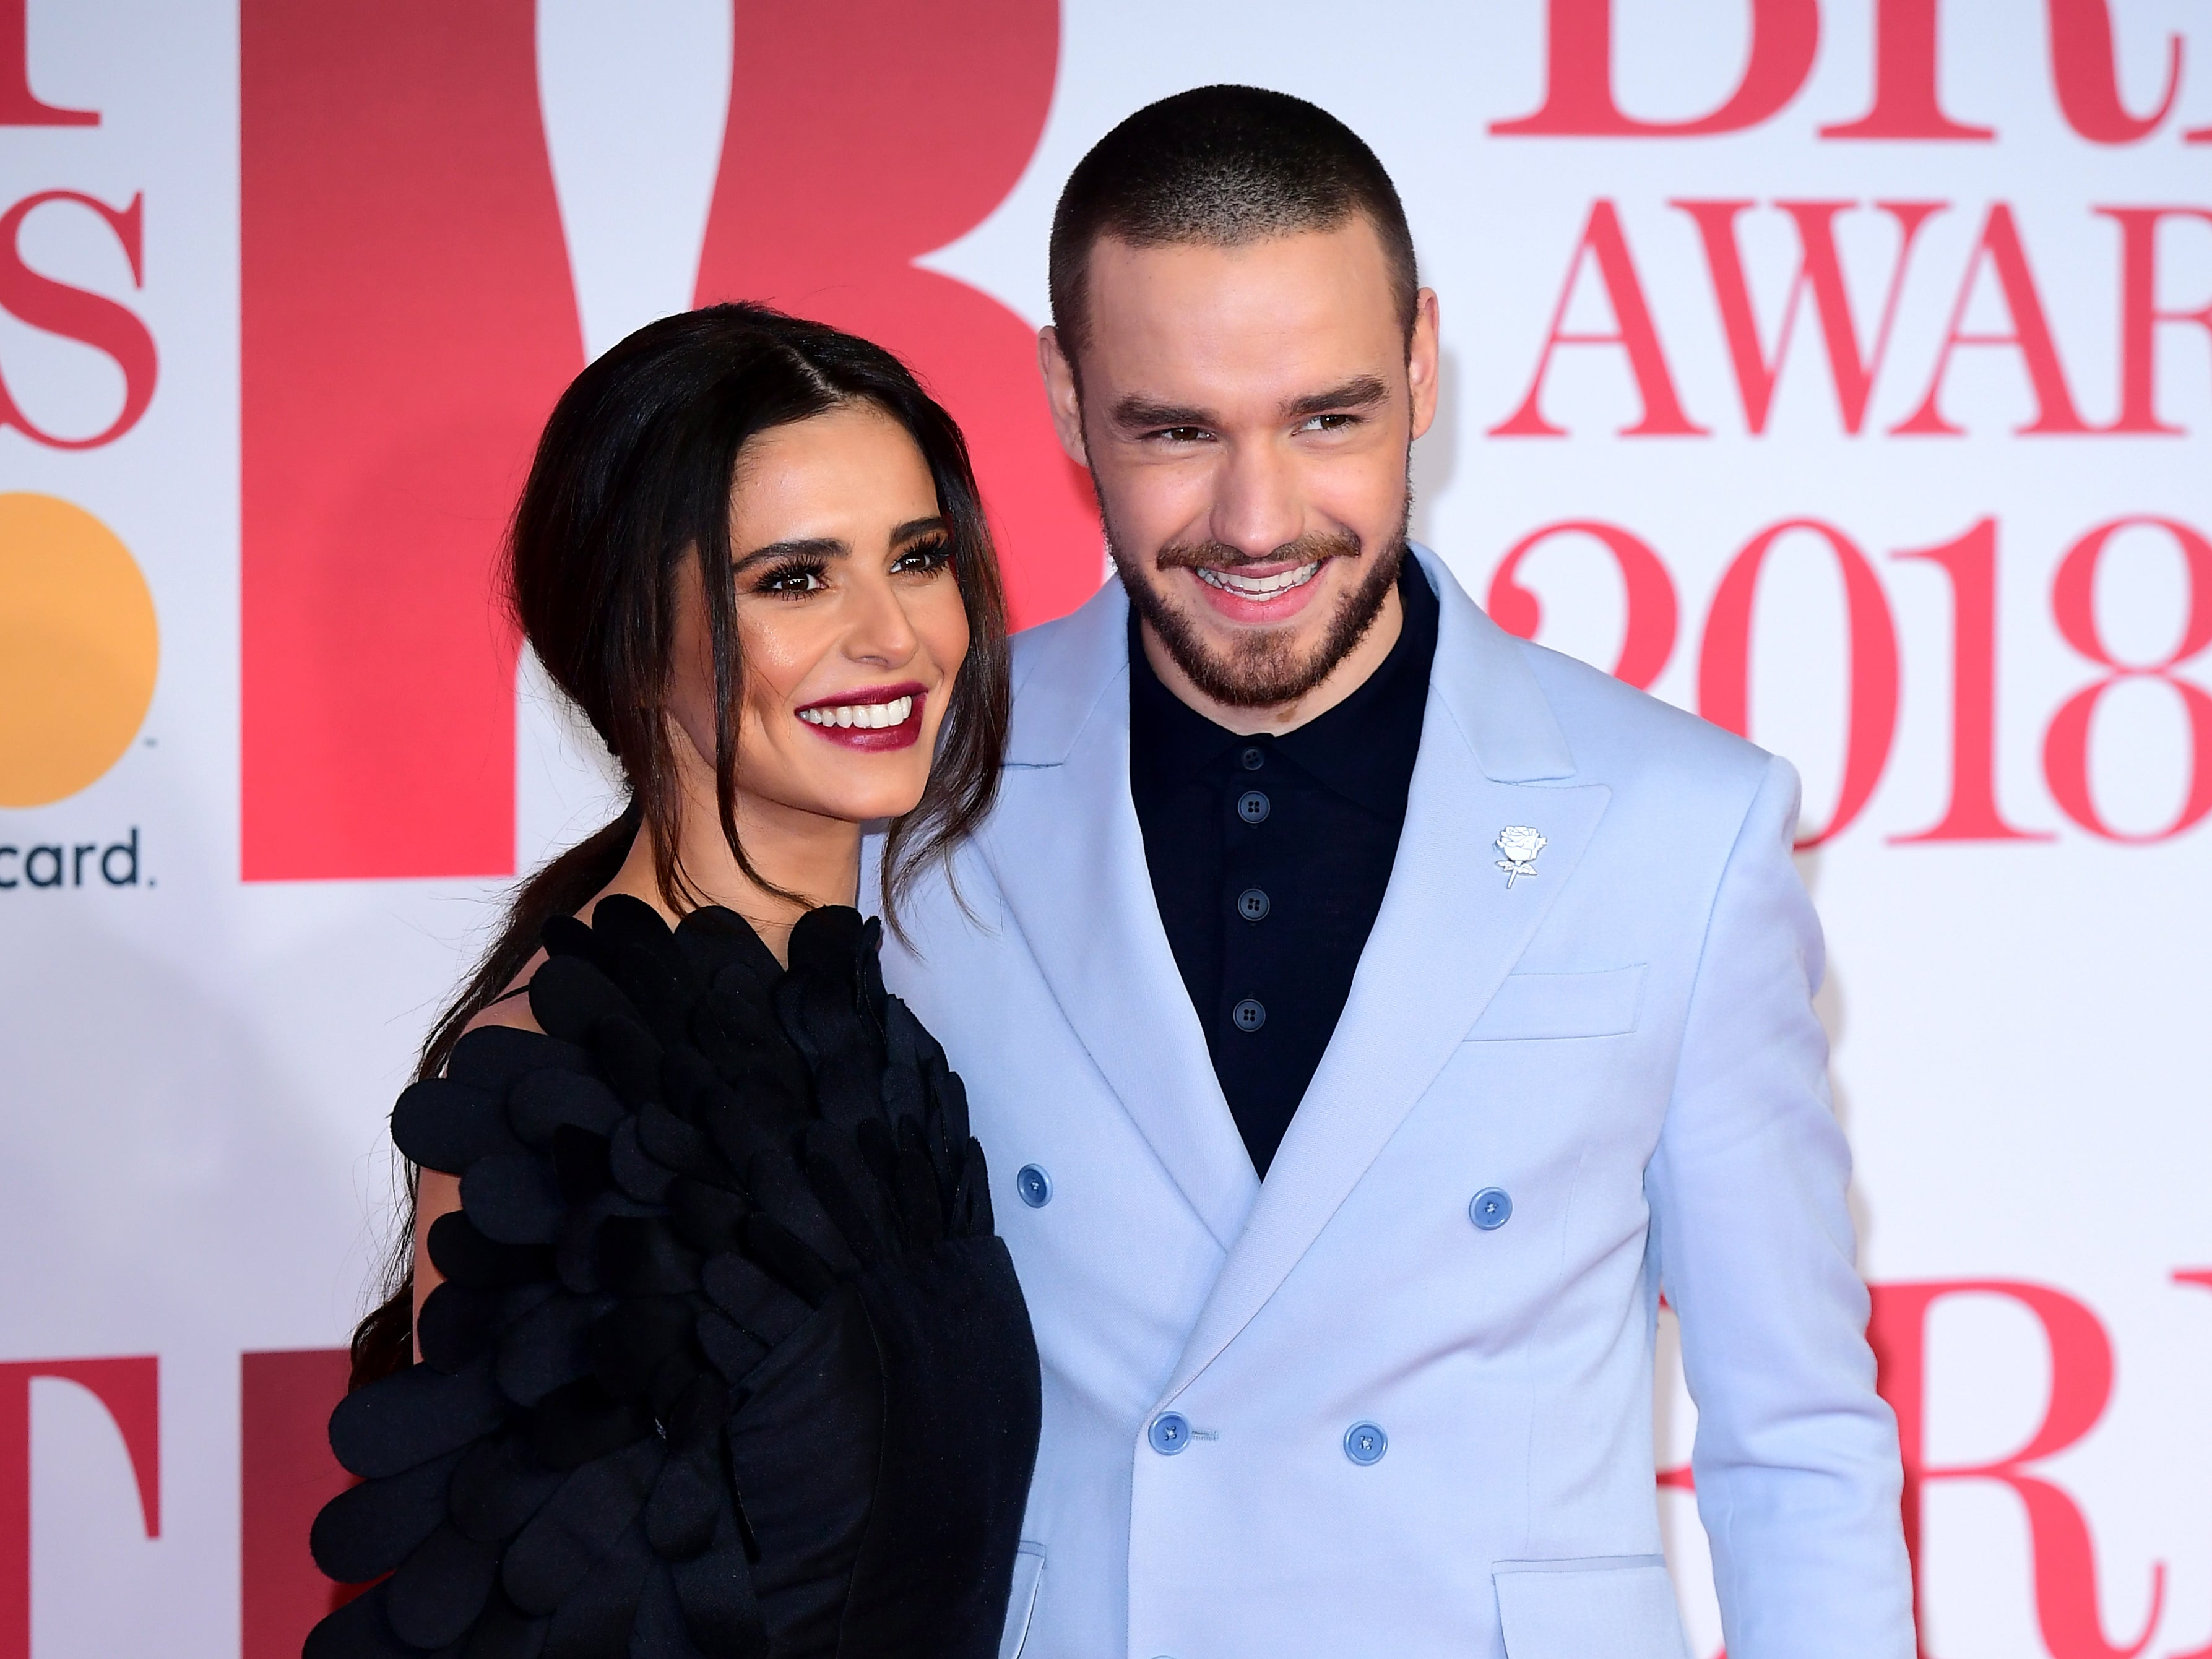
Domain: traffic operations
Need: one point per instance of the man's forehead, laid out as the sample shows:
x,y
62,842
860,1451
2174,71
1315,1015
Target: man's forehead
x,y
1272,320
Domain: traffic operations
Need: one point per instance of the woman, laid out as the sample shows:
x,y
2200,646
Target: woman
x,y
720,1355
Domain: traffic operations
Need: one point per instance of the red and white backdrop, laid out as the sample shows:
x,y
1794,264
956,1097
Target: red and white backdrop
x,y
1840,369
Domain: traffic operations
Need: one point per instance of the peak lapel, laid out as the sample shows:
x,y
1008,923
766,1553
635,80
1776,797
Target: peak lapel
x,y
1449,932
1065,845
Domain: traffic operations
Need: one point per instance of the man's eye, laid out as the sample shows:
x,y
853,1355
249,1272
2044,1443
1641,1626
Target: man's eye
x,y
1329,422
1183,434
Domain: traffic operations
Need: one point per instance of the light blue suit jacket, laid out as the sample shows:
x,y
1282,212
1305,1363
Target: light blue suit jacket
x,y
1624,1043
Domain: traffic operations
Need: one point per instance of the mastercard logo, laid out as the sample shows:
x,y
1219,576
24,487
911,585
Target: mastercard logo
x,y
79,649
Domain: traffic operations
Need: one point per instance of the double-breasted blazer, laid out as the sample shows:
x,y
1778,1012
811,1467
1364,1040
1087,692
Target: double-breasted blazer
x,y
1349,1410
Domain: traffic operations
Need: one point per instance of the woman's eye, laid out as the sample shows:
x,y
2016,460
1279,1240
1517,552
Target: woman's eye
x,y
930,557
794,579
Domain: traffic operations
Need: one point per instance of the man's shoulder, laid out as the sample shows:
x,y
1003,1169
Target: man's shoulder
x,y
1624,738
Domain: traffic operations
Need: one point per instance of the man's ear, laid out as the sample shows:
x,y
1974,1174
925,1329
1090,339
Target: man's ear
x,y
1060,393
1422,354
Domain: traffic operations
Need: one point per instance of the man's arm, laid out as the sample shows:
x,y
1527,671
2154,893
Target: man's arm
x,y
1797,1459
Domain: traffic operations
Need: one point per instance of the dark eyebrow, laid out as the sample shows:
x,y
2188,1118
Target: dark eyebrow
x,y
802,547
913,527
1362,392
1134,412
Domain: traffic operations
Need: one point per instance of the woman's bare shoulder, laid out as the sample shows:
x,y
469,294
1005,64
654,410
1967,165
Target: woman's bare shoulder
x,y
512,1006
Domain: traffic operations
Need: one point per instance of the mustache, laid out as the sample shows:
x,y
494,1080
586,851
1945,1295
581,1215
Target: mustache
x,y
1218,556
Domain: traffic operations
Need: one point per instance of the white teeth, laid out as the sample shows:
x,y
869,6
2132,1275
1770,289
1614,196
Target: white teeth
x,y
1259,587
868,716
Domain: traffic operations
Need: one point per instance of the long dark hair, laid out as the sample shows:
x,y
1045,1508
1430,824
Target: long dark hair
x,y
633,476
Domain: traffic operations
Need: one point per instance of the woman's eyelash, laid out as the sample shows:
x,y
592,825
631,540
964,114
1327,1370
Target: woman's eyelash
x,y
926,555
798,576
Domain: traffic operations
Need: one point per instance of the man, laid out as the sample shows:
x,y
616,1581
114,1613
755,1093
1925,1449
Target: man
x,y
1368,1014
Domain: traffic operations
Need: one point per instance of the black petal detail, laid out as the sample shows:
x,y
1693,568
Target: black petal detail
x,y
733,1350
456,1325
577,1526
635,1174
713,1321
435,1597
445,1125
642,1257
583,1163
357,1631
412,1416
493,1056
506,1633
546,1349
463,1255
716,1590
709,1218
581,1422
660,1631
569,997
594,1619
541,1102
514,1199
628,1345
366,1530
499,1486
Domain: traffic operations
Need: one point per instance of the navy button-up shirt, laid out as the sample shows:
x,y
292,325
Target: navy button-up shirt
x,y
1269,856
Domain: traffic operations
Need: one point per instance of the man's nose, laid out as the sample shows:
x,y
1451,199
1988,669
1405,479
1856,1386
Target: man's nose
x,y
1257,505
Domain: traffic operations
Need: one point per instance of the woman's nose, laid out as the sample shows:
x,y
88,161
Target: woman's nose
x,y
881,632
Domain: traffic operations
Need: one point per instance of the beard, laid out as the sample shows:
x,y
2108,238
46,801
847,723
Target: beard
x,y
1265,668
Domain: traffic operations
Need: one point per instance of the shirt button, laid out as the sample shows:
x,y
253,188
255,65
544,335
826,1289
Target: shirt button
x,y
1252,758
1253,807
1249,1015
1034,1185
1491,1209
1365,1442
1252,904
1169,1433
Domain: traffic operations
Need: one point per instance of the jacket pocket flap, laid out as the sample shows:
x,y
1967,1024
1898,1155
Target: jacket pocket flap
x,y
1601,1004
1620,1606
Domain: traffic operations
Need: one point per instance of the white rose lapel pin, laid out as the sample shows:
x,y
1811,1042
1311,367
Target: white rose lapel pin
x,y
1519,844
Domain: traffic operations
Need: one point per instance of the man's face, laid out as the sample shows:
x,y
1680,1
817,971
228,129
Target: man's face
x,y
1246,413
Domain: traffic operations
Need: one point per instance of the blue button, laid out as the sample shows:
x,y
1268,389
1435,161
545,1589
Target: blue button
x,y
1491,1209
1253,807
1034,1185
1249,1015
1253,758
1169,1433
1365,1442
1253,905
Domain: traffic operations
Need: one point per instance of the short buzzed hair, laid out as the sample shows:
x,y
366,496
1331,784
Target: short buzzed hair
x,y
1221,166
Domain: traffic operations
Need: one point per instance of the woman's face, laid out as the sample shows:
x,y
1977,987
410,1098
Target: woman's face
x,y
850,625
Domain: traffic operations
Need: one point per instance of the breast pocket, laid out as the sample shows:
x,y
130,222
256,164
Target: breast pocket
x,y
1021,1606
1605,1607
1544,1005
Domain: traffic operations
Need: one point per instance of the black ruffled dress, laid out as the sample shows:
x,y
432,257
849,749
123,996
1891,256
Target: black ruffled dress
x,y
728,1361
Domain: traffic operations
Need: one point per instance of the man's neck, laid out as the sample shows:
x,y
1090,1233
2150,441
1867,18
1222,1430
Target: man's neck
x,y
1357,667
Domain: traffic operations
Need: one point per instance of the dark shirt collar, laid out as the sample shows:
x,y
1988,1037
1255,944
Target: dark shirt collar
x,y
1362,749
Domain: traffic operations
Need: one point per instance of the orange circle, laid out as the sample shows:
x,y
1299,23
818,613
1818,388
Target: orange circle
x,y
78,648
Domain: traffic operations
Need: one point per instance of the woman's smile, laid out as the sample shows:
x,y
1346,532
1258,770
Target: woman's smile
x,y
869,718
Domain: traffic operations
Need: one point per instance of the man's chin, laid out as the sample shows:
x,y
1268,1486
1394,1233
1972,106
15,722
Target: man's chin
x,y
1269,663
